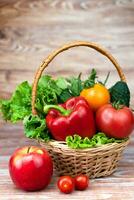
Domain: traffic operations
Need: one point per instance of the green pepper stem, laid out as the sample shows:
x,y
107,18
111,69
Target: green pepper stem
x,y
59,108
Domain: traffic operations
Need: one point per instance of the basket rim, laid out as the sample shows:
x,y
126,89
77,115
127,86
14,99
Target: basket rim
x,y
62,145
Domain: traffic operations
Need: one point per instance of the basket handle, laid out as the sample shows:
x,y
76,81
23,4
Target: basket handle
x,y
64,48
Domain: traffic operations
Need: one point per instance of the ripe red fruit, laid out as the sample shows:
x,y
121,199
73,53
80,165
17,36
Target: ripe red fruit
x,y
66,184
31,168
81,182
115,122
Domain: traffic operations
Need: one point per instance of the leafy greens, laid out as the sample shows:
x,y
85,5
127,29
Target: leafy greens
x,y
49,91
77,142
54,91
120,93
19,105
35,127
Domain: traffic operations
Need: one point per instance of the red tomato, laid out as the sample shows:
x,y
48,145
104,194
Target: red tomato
x,y
81,182
31,168
117,123
66,184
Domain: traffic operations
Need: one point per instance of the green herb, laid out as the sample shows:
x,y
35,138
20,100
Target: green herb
x,y
121,93
65,94
75,86
62,83
77,142
35,127
91,79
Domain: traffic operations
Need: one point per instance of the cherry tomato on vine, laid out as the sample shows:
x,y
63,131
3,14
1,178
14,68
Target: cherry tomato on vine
x,y
81,182
96,96
66,184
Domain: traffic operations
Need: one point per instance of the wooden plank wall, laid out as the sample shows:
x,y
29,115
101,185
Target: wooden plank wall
x,y
29,31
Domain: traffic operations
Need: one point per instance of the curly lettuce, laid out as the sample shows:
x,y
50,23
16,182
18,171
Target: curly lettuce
x,y
35,127
77,142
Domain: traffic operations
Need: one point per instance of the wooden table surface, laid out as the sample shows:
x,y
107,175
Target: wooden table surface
x,y
29,30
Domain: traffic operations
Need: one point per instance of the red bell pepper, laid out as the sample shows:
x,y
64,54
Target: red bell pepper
x,y
73,117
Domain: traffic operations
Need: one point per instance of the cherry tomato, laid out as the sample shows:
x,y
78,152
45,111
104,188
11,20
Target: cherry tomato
x,y
117,123
96,96
66,184
81,182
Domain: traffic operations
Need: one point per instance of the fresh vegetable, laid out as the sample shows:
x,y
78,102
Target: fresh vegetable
x,y
49,91
31,168
81,182
35,127
115,122
77,142
121,93
19,105
90,82
96,96
66,184
73,117
56,92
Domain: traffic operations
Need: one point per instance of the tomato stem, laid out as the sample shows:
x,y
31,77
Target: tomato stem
x,y
117,105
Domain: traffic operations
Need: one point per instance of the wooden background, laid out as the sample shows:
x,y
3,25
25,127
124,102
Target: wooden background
x,y
29,30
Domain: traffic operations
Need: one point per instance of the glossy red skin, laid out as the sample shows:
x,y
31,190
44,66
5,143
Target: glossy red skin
x,y
80,121
115,123
81,182
31,171
66,184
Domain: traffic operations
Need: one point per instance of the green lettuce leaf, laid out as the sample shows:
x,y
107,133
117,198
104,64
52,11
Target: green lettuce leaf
x,y
35,127
19,105
77,142
5,109
47,92
75,86
62,83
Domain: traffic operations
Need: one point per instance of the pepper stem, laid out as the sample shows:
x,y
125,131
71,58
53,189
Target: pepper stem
x,y
59,108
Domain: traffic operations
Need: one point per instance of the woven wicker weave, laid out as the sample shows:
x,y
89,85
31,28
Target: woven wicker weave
x,y
94,162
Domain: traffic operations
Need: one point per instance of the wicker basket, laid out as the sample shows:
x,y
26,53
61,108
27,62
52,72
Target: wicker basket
x,y
94,162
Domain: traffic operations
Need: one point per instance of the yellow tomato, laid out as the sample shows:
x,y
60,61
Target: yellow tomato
x,y
96,96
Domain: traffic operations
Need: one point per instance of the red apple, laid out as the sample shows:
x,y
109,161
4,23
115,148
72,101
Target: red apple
x,y
31,168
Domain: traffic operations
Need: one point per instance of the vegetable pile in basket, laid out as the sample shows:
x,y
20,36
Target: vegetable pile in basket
x,y
84,113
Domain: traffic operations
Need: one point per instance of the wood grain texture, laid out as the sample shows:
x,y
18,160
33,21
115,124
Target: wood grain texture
x,y
29,31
